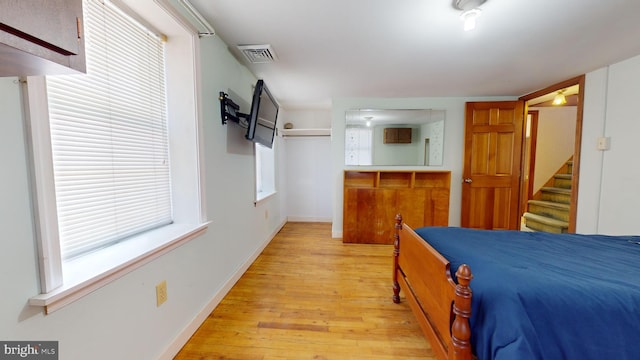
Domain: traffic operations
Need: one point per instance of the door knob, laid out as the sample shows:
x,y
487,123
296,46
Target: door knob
x,y
468,180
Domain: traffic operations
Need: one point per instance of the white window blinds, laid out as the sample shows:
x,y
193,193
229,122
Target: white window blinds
x,y
109,135
358,146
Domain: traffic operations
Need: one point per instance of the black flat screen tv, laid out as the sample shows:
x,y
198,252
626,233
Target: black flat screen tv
x,y
262,118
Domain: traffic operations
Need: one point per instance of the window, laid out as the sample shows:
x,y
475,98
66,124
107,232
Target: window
x,y
109,139
111,191
265,171
358,149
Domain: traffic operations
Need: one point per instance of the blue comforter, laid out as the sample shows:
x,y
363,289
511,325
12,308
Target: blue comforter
x,y
548,296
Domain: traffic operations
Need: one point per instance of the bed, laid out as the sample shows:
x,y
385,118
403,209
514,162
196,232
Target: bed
x,y
520,295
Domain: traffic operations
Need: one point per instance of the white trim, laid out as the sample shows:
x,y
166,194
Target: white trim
x,y
336,234
172,349
304,132
199,136
209,31
105,266
122,7
177,16
39,137
260,198
265,172
309,219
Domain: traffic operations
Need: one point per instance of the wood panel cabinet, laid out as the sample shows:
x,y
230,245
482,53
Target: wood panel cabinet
x,y
373,198
397,136
39,37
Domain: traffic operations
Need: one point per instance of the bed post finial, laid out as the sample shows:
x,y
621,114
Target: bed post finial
x,y
396,253
460,329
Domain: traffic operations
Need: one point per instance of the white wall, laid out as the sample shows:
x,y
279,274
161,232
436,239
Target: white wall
x,y
609,194
121,320
307,118
555,141
307,189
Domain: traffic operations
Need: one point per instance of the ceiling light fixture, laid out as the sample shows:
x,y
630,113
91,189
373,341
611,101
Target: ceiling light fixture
x,y
470,12
559,99
469,17
368,120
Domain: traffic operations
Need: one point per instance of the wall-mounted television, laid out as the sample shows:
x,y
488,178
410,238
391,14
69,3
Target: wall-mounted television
x,y
260,122
263,116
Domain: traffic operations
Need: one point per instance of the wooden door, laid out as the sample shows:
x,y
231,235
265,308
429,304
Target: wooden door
x,y
492,158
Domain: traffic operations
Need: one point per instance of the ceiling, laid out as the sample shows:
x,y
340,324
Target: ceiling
x,y
376,117
417,48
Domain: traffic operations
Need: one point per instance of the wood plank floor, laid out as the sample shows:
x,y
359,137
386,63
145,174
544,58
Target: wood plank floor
x,y
309,296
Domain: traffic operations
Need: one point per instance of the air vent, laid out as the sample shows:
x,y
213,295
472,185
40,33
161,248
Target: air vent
x,y
258,54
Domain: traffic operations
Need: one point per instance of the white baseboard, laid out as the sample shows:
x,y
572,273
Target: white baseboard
x,y
309,219
170,352
336,234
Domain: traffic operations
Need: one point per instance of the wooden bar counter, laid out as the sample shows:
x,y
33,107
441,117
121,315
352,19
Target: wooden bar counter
x,y
373,198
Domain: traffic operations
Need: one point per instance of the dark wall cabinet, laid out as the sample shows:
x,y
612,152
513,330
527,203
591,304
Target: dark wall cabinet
x,y
41,37
397,136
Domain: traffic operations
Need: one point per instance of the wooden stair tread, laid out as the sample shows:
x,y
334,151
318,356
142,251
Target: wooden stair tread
x,y
551,211
556,190
563,176
551,204
546,220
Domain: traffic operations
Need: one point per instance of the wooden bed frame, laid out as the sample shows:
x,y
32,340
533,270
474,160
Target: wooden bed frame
x,y
442,307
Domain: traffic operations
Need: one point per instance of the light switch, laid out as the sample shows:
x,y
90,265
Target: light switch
x,y
604,143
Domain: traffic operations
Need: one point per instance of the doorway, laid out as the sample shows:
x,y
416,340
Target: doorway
x,y
551,157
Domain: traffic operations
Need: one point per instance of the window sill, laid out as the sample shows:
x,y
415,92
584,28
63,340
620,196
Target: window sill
x,y
93,271
262,196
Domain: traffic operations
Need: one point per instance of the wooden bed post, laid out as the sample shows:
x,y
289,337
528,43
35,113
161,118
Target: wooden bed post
x,y
396,253
460,329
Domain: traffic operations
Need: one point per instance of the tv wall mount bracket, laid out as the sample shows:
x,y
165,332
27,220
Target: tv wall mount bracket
x,y
230,111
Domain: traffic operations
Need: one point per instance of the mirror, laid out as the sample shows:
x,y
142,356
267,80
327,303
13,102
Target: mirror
x,y
409,137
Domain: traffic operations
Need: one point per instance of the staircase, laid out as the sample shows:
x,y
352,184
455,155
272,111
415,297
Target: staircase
x,y
549,211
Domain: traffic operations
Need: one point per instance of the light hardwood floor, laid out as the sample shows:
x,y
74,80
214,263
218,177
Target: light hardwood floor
x,y
309,296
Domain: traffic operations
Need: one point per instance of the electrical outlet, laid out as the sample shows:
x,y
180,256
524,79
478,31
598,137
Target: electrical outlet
x,y
161,293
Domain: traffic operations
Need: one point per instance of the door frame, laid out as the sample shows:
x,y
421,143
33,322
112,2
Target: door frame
x,y
580,81
528,159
